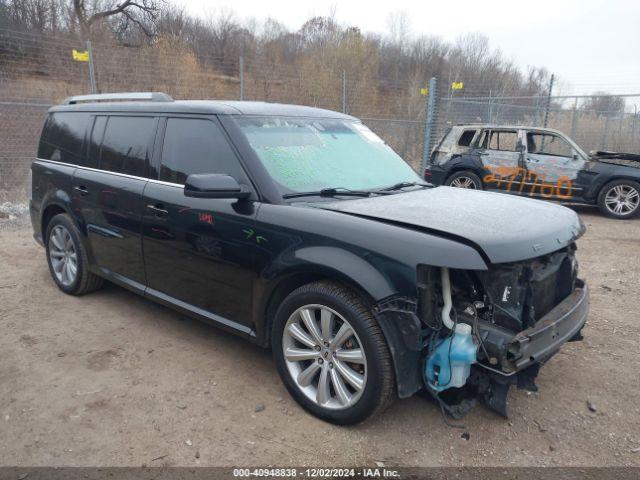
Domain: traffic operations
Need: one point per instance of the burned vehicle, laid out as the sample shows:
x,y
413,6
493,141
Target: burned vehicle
x,y
536,162
299,229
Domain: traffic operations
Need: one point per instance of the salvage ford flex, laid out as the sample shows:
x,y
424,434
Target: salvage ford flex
x,y
300,229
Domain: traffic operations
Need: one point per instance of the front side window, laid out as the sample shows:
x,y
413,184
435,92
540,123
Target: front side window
x,y
303,154
548,144
126,144
62,137
193,145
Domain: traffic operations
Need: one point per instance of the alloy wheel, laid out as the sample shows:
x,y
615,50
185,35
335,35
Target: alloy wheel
x,y
324,357
464,182
622,200
63,255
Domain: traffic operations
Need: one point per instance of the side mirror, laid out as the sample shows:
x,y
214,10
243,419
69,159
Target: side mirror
x,y
214,185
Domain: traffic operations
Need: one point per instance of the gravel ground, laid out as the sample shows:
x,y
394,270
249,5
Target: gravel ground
x,y
112,379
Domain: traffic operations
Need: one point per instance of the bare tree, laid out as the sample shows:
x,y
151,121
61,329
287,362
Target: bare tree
x,y
399,25
33,15
603,103
137,12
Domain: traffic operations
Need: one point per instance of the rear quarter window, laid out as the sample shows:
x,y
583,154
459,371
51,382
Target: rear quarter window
x,y
63,137
466,138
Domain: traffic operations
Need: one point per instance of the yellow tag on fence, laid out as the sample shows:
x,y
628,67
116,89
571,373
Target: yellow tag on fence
x,y
424,91
457,85
80,56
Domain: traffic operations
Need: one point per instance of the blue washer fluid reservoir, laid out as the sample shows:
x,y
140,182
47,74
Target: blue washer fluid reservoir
x,y
450,367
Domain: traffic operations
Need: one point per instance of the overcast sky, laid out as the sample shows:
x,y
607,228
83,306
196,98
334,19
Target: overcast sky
x,y
590,44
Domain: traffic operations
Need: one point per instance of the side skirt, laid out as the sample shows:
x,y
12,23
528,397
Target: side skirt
x,y
178,305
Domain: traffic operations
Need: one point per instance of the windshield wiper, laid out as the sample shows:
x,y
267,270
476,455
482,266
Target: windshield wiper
x,y
401,185
330,192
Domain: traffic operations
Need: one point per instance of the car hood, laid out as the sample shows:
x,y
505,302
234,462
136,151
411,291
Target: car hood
x,y
503,228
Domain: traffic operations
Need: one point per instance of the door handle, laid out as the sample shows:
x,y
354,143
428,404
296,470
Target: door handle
x,y
82,190
158,210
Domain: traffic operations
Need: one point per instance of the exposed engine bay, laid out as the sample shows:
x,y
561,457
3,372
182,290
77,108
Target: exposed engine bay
x,y
488,330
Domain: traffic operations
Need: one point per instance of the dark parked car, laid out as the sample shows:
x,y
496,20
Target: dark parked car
x,y
539,163
298,228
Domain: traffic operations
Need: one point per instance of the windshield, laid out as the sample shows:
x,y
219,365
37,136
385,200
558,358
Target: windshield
x,y
304,155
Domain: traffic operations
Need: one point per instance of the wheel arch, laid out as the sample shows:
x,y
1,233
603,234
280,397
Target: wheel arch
x,y
465,168
287,282
593,191
60,204
50,211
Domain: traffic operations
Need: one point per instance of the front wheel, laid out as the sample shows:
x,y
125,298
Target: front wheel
x,y
464,179
331,354
620,199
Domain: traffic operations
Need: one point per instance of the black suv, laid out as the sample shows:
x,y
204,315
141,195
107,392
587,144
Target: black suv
x,y
536,162
299,229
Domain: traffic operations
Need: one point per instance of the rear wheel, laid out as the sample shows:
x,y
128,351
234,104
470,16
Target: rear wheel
x,y
331,354
620,199
464,179
67,257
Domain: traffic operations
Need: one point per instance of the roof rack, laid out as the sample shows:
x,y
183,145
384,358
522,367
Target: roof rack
x,y
111,97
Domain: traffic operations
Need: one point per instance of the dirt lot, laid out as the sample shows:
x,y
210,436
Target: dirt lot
x,y
112,379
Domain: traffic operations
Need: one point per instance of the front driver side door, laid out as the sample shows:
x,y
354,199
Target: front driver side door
x,y
552,166
197,252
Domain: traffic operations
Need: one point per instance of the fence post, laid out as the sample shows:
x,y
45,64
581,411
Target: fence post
x,y
574,120
490,111
344,91
429,125
548,105
241,78
92,71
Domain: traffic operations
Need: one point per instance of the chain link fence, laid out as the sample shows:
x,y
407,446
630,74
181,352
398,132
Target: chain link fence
x,y
39,71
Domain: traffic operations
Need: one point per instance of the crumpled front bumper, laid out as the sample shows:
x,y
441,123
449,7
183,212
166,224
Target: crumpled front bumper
x,y
541,341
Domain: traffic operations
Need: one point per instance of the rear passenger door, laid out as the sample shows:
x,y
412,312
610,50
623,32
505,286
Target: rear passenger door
x,y
108,194
501,155
199,252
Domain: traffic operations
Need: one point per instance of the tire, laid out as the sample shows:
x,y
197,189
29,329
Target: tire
x,y
620,199
63,244
373,367
465,177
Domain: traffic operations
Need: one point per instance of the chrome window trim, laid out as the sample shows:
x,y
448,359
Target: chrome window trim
x,y
90,169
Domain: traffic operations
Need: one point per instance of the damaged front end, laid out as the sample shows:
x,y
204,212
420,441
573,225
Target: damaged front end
x,y
480,332
521,313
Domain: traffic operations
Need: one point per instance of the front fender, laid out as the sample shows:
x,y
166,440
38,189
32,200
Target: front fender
x,y
348,265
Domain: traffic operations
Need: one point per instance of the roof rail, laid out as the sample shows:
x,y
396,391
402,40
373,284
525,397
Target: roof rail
x,y
110,97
